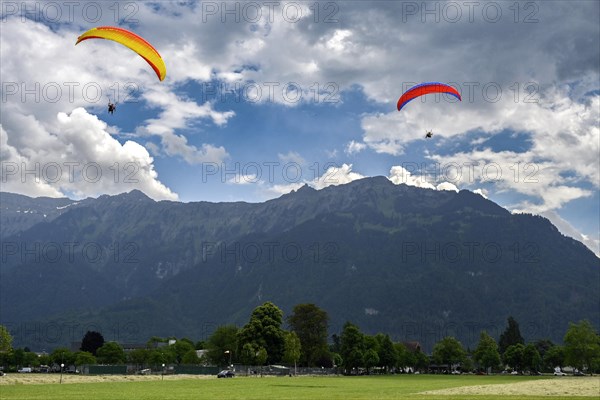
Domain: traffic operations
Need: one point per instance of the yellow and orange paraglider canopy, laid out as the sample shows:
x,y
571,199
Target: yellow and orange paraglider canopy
x,y
131,40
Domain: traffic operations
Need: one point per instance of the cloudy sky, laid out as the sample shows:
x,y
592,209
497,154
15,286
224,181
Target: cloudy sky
x,y
263,97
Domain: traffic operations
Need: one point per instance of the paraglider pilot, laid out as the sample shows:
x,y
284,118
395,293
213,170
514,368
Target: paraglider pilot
x,y
111,107
429,134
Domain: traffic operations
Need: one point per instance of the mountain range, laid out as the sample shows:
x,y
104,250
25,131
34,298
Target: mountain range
x,y
416,263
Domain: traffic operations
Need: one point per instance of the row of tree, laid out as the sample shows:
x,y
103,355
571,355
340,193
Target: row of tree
x,y
581,350
94,350
109,353
354,351
263,341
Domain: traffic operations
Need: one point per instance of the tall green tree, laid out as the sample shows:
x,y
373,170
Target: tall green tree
x,y
5,346
337,360
190,358
45,359
293,349
84,357
224,338
200,345
467,364
510,336
486,354
388,357
181,348
111,353
543,345
161,355
264,330
405,357
18,358
421,360
352,347
449,351
335,346
513,356
5,340
91,342
248,354
370,359
554,357
24,358
582,346
532,360
138,357
310,323
62,355
261,358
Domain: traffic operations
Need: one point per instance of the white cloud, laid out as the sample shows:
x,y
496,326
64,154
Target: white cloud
x,y
336,176
399,175
564,137
185,62
338,42
291,157
562,127
245,179
281,189
177,145
331,153
153,149
481,192
178,114
381,59
11,172
333,176
447,186
354,147
78,158
84,76
593,243
541,182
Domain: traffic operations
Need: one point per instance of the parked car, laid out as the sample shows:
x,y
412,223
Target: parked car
x,y
559,373
25,370
578,373
455,372
226,374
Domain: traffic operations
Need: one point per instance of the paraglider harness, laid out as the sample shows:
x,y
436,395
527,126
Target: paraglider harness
x,y
428,135
111,107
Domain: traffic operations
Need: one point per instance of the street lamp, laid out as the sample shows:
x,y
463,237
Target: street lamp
x,y
162,375
229,352
61,369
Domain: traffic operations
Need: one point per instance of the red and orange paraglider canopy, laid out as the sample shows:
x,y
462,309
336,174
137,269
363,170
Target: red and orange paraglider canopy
x,y
426,88
132,41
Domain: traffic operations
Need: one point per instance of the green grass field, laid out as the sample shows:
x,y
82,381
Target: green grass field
x,y
326,388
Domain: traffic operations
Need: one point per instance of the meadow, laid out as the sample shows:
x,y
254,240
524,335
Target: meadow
x,y
422,387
